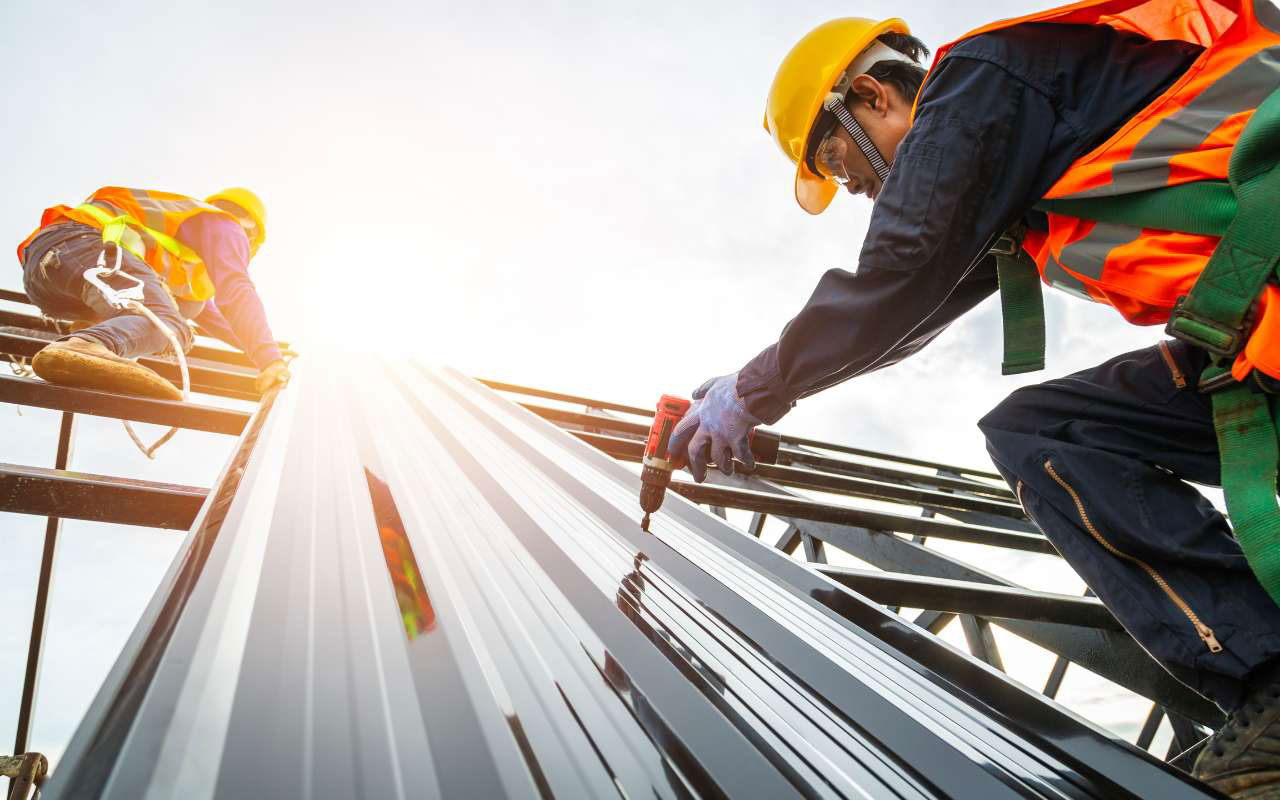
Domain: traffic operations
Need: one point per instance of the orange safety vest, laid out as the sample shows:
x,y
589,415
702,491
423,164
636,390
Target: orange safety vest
x,y
1187,134
148,212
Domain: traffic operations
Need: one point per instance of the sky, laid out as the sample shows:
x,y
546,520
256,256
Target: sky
x,y
572,195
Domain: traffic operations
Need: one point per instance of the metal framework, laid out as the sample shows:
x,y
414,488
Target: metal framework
x,y
58,493
409,583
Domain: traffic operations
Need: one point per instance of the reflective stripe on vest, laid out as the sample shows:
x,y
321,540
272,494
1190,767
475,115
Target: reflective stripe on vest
x,y
1059,278
1151,163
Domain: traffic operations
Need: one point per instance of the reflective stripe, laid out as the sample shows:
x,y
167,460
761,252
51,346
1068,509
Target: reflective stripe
x,y
1088,256
1059,278
152,216
1241,89
130,239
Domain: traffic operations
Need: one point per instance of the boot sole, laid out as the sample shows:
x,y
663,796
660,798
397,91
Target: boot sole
x,y
66,367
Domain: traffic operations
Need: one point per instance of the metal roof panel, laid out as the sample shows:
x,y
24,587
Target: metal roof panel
x,y
405,585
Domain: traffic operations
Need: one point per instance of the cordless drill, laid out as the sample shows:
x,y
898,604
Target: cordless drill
x,y
658,463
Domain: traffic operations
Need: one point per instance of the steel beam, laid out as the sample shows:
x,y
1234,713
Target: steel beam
x,y
858,451
1188,740
14,297
981,640
964,597
222,382
44,583
787,456
191,416
566,398
1112,655
199,352
1057,673
97,498
797,441
26,772
1149,727
791,505
944,503
794,457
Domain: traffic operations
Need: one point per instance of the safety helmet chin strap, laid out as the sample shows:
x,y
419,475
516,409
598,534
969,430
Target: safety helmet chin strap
x,y
834,102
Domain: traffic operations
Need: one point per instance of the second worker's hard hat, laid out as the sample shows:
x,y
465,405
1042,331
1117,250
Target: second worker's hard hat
x,y
256,224
807,74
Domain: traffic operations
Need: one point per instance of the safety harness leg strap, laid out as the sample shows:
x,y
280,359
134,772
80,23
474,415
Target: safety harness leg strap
x,y
1246,429
1021,306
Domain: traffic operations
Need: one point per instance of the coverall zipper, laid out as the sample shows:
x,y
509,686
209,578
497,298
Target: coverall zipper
x,y
1179,380
1203,631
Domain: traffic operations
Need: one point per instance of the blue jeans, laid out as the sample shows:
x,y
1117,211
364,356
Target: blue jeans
x,y
1125,439
53,276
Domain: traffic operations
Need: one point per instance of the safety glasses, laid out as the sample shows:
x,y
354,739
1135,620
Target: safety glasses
x,y
829,156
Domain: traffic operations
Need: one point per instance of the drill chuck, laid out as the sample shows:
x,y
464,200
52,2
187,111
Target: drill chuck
x,y
653,487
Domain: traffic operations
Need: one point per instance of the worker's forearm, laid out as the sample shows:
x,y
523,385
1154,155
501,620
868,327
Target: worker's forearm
x,y
224,248
239,302
212,321
854,324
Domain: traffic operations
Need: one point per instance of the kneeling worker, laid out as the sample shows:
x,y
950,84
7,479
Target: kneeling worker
x,y
184,251
1096,138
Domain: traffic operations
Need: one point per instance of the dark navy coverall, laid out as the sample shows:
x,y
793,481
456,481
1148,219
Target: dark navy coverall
x,y
1099,455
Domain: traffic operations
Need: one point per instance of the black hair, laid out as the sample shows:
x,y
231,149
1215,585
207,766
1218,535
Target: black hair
x,y
903,77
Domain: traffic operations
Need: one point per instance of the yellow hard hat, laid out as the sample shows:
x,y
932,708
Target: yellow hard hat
x,y
807,74
256,223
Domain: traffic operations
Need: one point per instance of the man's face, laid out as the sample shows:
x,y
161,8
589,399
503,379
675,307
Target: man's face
x,y
885,116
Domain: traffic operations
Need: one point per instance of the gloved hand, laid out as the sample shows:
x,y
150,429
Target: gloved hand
x,y
717,426
277,372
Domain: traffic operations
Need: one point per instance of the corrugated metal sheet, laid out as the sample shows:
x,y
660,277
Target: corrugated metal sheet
x,y
406,586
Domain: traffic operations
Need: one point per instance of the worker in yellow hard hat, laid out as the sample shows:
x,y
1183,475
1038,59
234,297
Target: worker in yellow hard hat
x,y
192,260
1080,147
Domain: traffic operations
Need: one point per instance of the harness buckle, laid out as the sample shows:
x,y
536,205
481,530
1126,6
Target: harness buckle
x,y
1207,334
1010,242
1210,383
1006,245
119,299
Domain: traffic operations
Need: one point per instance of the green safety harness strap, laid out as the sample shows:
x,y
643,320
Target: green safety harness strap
x,y
1021,305
1204,207
1217,315
1245,425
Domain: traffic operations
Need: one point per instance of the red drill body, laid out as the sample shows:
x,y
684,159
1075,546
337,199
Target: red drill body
x,y
658,464
655,474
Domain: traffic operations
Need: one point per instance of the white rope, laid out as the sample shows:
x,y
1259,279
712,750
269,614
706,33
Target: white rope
x,y
131,300
20,367
150,452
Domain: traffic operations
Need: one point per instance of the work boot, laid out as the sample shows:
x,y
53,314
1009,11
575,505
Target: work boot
x,y
1242,760
86,364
